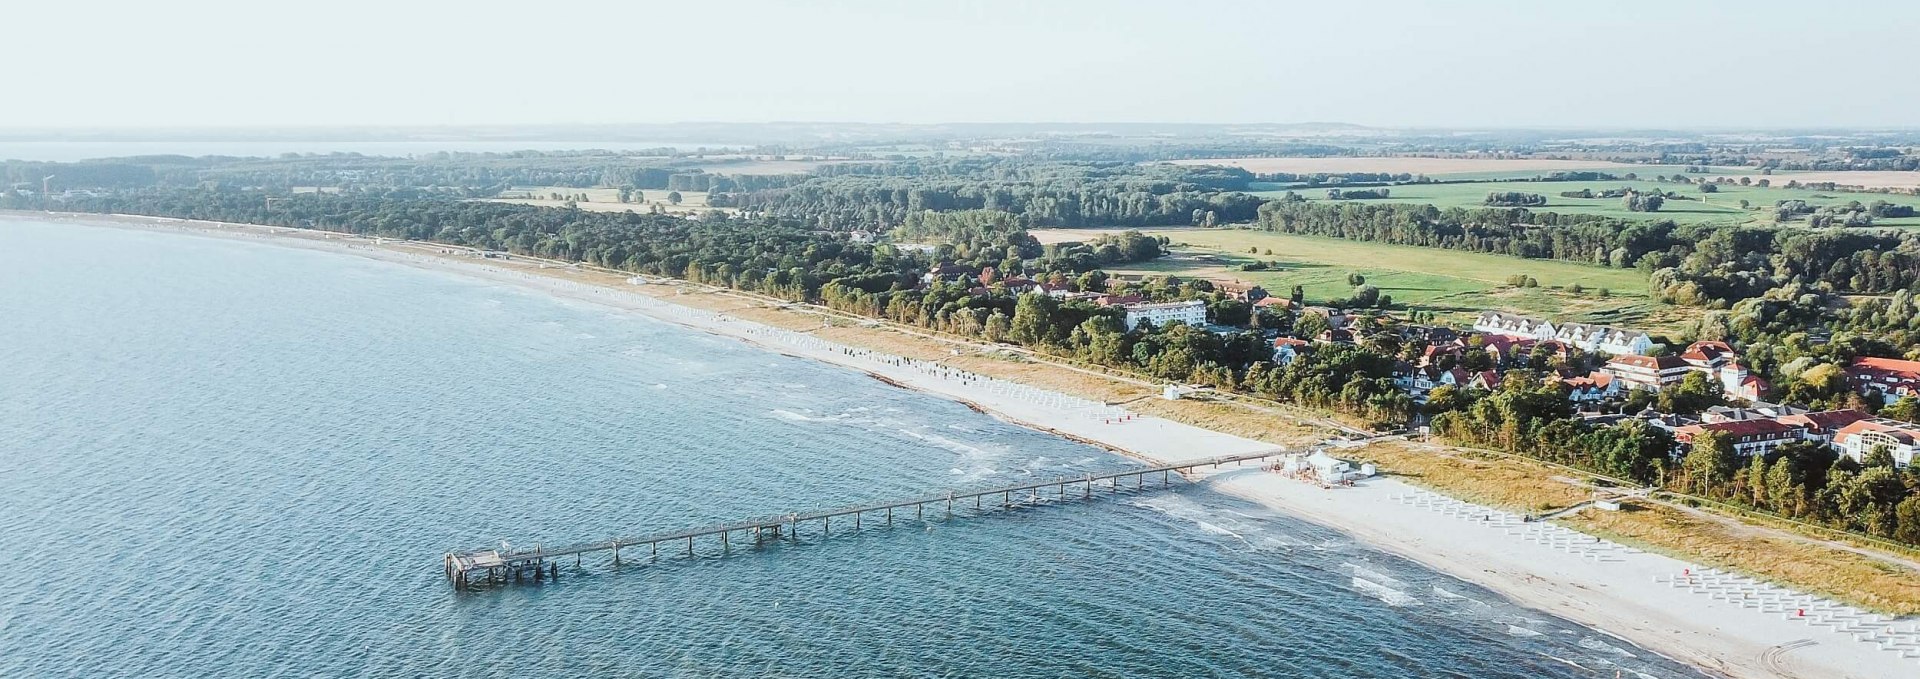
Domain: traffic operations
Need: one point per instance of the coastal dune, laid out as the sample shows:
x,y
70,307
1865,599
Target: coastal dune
x,y
1641,597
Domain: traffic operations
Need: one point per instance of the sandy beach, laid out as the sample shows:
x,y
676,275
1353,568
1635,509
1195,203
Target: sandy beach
x,y
1716,622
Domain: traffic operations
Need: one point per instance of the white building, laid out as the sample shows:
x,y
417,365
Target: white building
x,y
1588,337
1192,312
1648,372
1857,439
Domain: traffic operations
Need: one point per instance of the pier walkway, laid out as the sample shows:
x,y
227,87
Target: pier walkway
x,y
489,566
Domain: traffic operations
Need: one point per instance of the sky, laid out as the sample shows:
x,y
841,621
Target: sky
x,y
1390,63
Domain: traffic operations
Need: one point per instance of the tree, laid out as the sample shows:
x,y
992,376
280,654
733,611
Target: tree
x,y
674,197
1710,462
1879,456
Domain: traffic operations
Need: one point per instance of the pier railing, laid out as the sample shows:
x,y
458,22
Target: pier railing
x,y
541,562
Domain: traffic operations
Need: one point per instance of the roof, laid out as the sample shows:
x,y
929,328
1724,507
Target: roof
x,y
1164,305
1903,432
1648,362
1281,302
1707,351
1891,366
1290,342
1826,420
1740,428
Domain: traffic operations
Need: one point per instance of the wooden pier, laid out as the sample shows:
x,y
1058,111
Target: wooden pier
x,y
499,566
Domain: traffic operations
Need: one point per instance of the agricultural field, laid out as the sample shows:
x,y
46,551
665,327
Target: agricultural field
x,y
1721,207
605,200
1456,285
1411,164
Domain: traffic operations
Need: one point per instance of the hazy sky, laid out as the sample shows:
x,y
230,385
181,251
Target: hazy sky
x,y
1693,63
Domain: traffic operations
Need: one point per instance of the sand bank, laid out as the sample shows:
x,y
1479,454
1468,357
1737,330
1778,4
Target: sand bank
x,y
1659,603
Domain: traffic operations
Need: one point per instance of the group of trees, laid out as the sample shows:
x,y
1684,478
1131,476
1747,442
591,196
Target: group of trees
x,y
1515,199
1086,197
1807,480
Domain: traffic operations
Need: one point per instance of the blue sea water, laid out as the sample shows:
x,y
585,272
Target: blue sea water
x,y
231,459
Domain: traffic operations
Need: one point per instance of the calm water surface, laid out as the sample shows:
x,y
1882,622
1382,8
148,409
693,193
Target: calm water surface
x,y
229,459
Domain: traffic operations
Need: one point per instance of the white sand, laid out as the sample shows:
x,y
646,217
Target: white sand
x,y
1601,585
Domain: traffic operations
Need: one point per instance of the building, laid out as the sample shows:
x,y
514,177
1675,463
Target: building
x,y
1605,340
1245,292
1286,349
1597,338
1890,378
1824,425
1595,386
1192,312
1496,323
1750,437
1719,361
946,272
1858,439
1648,372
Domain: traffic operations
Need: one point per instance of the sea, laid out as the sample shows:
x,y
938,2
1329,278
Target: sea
x,y
223,458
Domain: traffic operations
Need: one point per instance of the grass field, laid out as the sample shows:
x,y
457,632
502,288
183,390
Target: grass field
x,y
1722,207
1458,285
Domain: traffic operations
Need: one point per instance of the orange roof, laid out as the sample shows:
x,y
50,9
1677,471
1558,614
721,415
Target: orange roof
x,y
1735,428
1906,369
1827,420
1902,431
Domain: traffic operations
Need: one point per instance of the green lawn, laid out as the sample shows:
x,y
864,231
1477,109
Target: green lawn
x,y
1457,284
1721,207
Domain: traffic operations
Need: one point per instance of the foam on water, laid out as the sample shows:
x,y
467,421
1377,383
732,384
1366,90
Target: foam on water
x,y
254,469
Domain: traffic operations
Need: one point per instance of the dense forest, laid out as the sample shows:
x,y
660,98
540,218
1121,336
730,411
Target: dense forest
x,y
1038,194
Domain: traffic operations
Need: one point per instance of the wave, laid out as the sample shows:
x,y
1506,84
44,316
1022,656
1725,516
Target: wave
x,y
1360,571
1388,595
1593,644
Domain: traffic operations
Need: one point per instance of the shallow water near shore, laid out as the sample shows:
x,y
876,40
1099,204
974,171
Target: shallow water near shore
x,y
229,459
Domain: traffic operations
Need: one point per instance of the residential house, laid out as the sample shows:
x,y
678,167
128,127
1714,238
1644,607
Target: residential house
x,y
946,272
1286,349
1270,302
1595,386
1243,291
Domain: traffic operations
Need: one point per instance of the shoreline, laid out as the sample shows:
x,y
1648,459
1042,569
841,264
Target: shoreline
x,y
1616,594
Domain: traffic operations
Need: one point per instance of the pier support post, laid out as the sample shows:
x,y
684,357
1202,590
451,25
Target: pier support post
x,y
724,547
689,545
616,552
919,512
949,504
